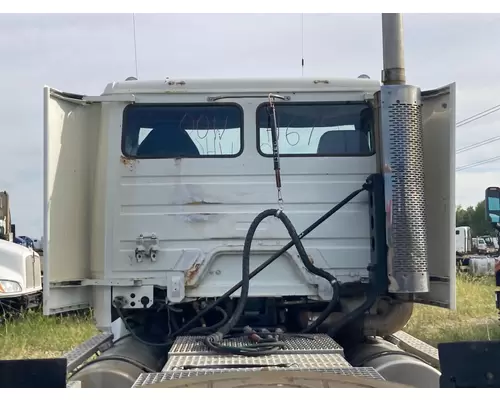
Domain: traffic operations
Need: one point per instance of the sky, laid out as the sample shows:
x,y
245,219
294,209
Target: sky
x,y
81,53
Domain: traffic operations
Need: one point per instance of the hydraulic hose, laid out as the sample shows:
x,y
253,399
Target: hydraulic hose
x,y
271,259
328,309
296,241
168,342
207,329
213,340
355,314
113,358
117,302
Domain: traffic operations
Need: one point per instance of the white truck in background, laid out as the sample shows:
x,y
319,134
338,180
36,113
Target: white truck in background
x,y
463,240
20,278
20,267
479,245
465,244
472,253
491,245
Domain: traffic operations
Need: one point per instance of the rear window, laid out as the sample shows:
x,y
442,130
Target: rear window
x,y
317,129
182,131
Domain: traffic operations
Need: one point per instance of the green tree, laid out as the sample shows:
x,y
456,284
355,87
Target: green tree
x,y
475,217
464,216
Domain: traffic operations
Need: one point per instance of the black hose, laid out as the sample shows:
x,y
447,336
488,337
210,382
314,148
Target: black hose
x,y
355,314
328,309
113,358
374,356
212,341
271,259
168,342
226,366
118,305
206,329
121,338
259,269
257,350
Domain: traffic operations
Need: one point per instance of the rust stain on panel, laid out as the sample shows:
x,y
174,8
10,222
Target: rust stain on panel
x,y
191,274
128,162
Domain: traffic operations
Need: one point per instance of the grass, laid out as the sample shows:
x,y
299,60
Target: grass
x,y
475,318
35,336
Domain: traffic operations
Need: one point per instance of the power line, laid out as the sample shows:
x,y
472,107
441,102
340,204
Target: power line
x,y
477,116
468,120
477,163
473,118
478,144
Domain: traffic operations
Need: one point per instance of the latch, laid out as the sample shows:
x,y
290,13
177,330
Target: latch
x,y
147,246
154,248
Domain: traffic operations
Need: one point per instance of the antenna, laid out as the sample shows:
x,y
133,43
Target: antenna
x,y
135,47
302,40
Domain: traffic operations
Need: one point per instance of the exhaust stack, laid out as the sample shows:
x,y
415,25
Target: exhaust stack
x,y
402,165
392,48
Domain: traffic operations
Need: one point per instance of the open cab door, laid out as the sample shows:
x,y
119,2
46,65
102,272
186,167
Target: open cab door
x,y
71,132
438,116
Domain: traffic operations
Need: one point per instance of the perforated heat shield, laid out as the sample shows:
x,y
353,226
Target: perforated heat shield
x,y
402,163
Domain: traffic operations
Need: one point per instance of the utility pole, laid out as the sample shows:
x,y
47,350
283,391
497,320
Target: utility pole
x,y
393,52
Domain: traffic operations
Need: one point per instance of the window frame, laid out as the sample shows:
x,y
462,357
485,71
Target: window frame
x,y
320,103
187,105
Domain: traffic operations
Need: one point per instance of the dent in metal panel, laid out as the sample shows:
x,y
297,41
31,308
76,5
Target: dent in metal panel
x,y
191,195
403,169
200,217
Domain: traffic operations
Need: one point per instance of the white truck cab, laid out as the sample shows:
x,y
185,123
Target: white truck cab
x,y
20,274
481,245
173,208
463,240
130,208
